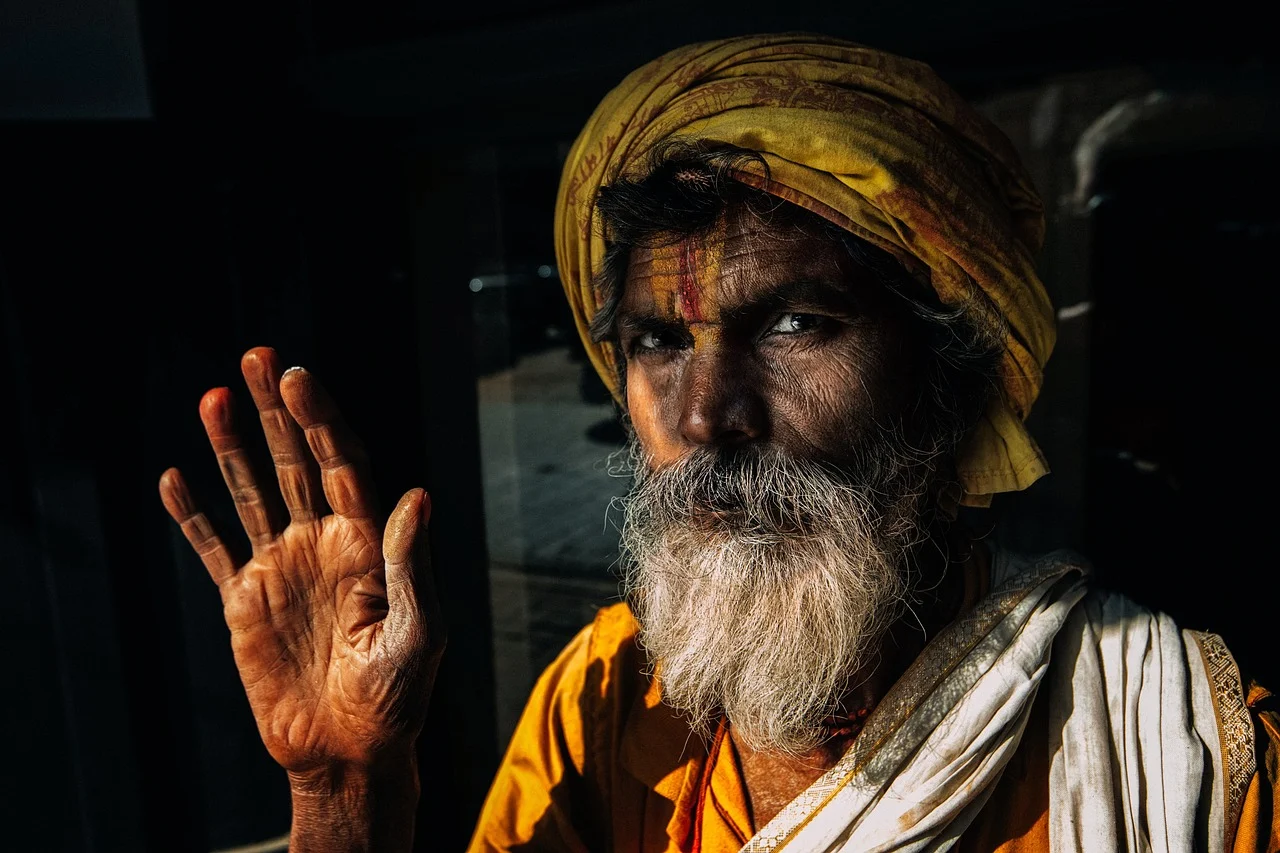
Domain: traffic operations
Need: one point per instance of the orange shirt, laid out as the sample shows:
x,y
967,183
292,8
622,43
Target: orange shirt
x,y
598,763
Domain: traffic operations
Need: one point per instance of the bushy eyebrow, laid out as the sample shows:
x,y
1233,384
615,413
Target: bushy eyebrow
x,y
815,294
639,322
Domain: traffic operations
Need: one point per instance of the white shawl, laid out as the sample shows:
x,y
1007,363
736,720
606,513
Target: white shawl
x,y
1138,761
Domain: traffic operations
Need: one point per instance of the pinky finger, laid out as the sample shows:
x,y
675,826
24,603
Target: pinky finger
x,y
195,525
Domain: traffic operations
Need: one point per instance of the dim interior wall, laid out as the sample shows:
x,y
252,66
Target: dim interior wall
x,y
1045,123
1156,188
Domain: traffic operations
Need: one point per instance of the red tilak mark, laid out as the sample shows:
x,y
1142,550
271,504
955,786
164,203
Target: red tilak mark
x,y
689,305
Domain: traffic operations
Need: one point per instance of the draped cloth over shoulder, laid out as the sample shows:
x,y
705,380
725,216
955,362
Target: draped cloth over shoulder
x,y
872,142
1151,743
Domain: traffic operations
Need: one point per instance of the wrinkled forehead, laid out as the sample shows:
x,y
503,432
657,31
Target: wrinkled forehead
x,y
745,253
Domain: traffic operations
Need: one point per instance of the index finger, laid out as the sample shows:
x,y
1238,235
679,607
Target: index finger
x,y
344,466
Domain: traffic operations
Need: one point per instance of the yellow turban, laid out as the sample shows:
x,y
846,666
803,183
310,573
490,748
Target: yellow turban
x,y
874,143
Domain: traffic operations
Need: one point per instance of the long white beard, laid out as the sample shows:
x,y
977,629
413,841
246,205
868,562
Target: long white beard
x,y
763,582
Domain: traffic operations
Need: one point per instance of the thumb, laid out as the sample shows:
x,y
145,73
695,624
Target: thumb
x,y
410,591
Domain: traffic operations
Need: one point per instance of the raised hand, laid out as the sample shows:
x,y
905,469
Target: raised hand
x,y
334,622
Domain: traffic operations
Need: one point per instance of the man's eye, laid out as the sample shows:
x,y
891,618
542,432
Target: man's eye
x,y
650,341
793,323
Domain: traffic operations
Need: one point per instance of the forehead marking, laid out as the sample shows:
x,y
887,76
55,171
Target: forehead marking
x,y
698,261
689,262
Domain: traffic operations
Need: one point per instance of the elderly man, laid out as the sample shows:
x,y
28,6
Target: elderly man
x,y
806,269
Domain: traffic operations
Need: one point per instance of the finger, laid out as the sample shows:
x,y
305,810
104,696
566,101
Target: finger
x,y
411,597
296,467
176,498
344,467
237,471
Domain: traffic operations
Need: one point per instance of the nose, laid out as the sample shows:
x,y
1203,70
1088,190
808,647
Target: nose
x,y
722,404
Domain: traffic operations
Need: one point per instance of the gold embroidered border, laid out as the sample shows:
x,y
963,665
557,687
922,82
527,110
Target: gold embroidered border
x,y
1235,726
930,669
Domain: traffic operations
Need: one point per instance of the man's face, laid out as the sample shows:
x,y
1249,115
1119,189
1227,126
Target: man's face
x,y
777,489
758,333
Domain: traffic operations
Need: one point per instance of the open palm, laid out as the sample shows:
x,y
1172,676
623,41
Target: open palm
x,y
333,620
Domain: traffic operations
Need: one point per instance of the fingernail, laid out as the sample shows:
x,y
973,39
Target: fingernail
x,y
296,367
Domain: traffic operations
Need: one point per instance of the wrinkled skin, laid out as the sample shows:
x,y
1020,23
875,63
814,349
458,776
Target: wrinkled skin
x,y
757,332
333,619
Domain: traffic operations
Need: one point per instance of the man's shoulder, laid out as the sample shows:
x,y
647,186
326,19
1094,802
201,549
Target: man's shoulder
x,y
613,628
605,687
602,658
618,674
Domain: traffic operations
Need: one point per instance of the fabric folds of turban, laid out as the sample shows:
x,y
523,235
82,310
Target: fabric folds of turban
x,y
872,142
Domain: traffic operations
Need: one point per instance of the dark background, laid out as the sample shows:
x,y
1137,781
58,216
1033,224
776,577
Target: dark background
x,y
180,182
